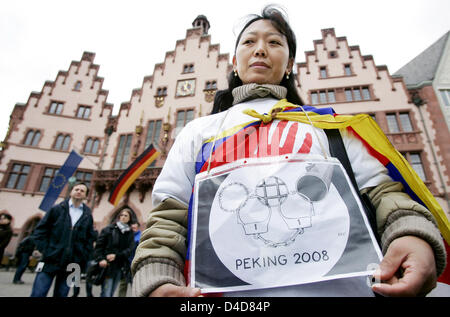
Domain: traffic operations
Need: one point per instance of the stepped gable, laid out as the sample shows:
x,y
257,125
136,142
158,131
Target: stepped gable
x,y
331,47
196,32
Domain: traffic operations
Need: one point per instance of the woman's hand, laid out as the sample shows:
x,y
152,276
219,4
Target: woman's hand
x,y
110,257
103,263
408,268
170,290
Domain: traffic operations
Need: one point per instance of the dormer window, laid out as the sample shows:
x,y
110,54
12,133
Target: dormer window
x,y
83,112
32,138
211,85
323,72
332,54
161,91
347,70
55,108
77,86
188,68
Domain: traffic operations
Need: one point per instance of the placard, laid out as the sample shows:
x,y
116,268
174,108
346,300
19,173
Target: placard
x,y
271,222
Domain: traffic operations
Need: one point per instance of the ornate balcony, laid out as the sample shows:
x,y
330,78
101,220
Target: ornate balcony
x,y
103,181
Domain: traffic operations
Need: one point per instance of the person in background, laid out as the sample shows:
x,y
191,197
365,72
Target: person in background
x,y
84,269
5,233
112,250
64,235
123,286
23,254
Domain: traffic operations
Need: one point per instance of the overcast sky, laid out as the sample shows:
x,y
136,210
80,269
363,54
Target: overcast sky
x,y
40,37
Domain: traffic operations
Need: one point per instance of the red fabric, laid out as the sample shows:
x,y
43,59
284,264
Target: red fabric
x,y
445,276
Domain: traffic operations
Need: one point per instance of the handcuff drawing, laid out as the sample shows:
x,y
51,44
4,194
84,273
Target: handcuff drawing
x,y
272,192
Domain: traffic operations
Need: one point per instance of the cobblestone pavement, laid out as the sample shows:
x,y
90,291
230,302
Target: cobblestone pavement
x,y
8,289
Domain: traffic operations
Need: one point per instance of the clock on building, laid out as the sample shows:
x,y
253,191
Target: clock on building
x,y
186,87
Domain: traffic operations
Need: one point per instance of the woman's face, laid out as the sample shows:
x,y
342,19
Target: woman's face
x,y
124,216
262,54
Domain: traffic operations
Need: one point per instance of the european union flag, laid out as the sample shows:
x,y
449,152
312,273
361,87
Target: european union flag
x,y
60,180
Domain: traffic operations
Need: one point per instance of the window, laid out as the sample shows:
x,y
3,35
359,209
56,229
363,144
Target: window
x,y
399,122
314,98
83,112
84,177
47,178
32,138
347,70
357,94
331,97
366,93
183,117
405,122
332,54
91,146
18,176
445,95
323,72
62,142
211,85
161,91
416,163
392,123
188,68
77,86
55,108
323,96
123,152
153,132
348,95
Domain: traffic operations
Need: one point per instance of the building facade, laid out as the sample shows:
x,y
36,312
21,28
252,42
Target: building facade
x,y
72,113
427,78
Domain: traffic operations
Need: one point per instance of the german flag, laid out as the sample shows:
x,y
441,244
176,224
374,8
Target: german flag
x,y
131,173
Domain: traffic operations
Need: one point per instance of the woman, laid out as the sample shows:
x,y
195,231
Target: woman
x,y
112,250
262,66
5,233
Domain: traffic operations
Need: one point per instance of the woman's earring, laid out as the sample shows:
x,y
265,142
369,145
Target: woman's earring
x,y
287,75
235,73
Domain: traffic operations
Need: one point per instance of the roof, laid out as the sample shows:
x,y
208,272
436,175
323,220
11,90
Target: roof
x,y
424,66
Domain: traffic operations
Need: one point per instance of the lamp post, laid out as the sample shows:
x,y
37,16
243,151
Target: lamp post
x,y
71,181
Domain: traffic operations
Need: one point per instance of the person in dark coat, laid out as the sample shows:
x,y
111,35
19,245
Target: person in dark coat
x,y
23,254
5,233
63,236
112,250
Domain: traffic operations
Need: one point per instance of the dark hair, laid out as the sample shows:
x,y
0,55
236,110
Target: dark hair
x,y
130,213
82,183
6,215
224,98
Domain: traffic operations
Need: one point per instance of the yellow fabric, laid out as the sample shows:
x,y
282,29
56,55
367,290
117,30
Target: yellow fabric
x,y
370,132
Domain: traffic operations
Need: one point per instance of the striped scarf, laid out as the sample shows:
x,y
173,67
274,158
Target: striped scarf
x,y
252,91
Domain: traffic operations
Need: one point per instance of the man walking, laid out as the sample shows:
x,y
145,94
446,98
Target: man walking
x,y
63,236
23,254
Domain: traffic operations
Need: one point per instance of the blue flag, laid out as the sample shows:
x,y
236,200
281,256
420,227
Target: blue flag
x,y
60,180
